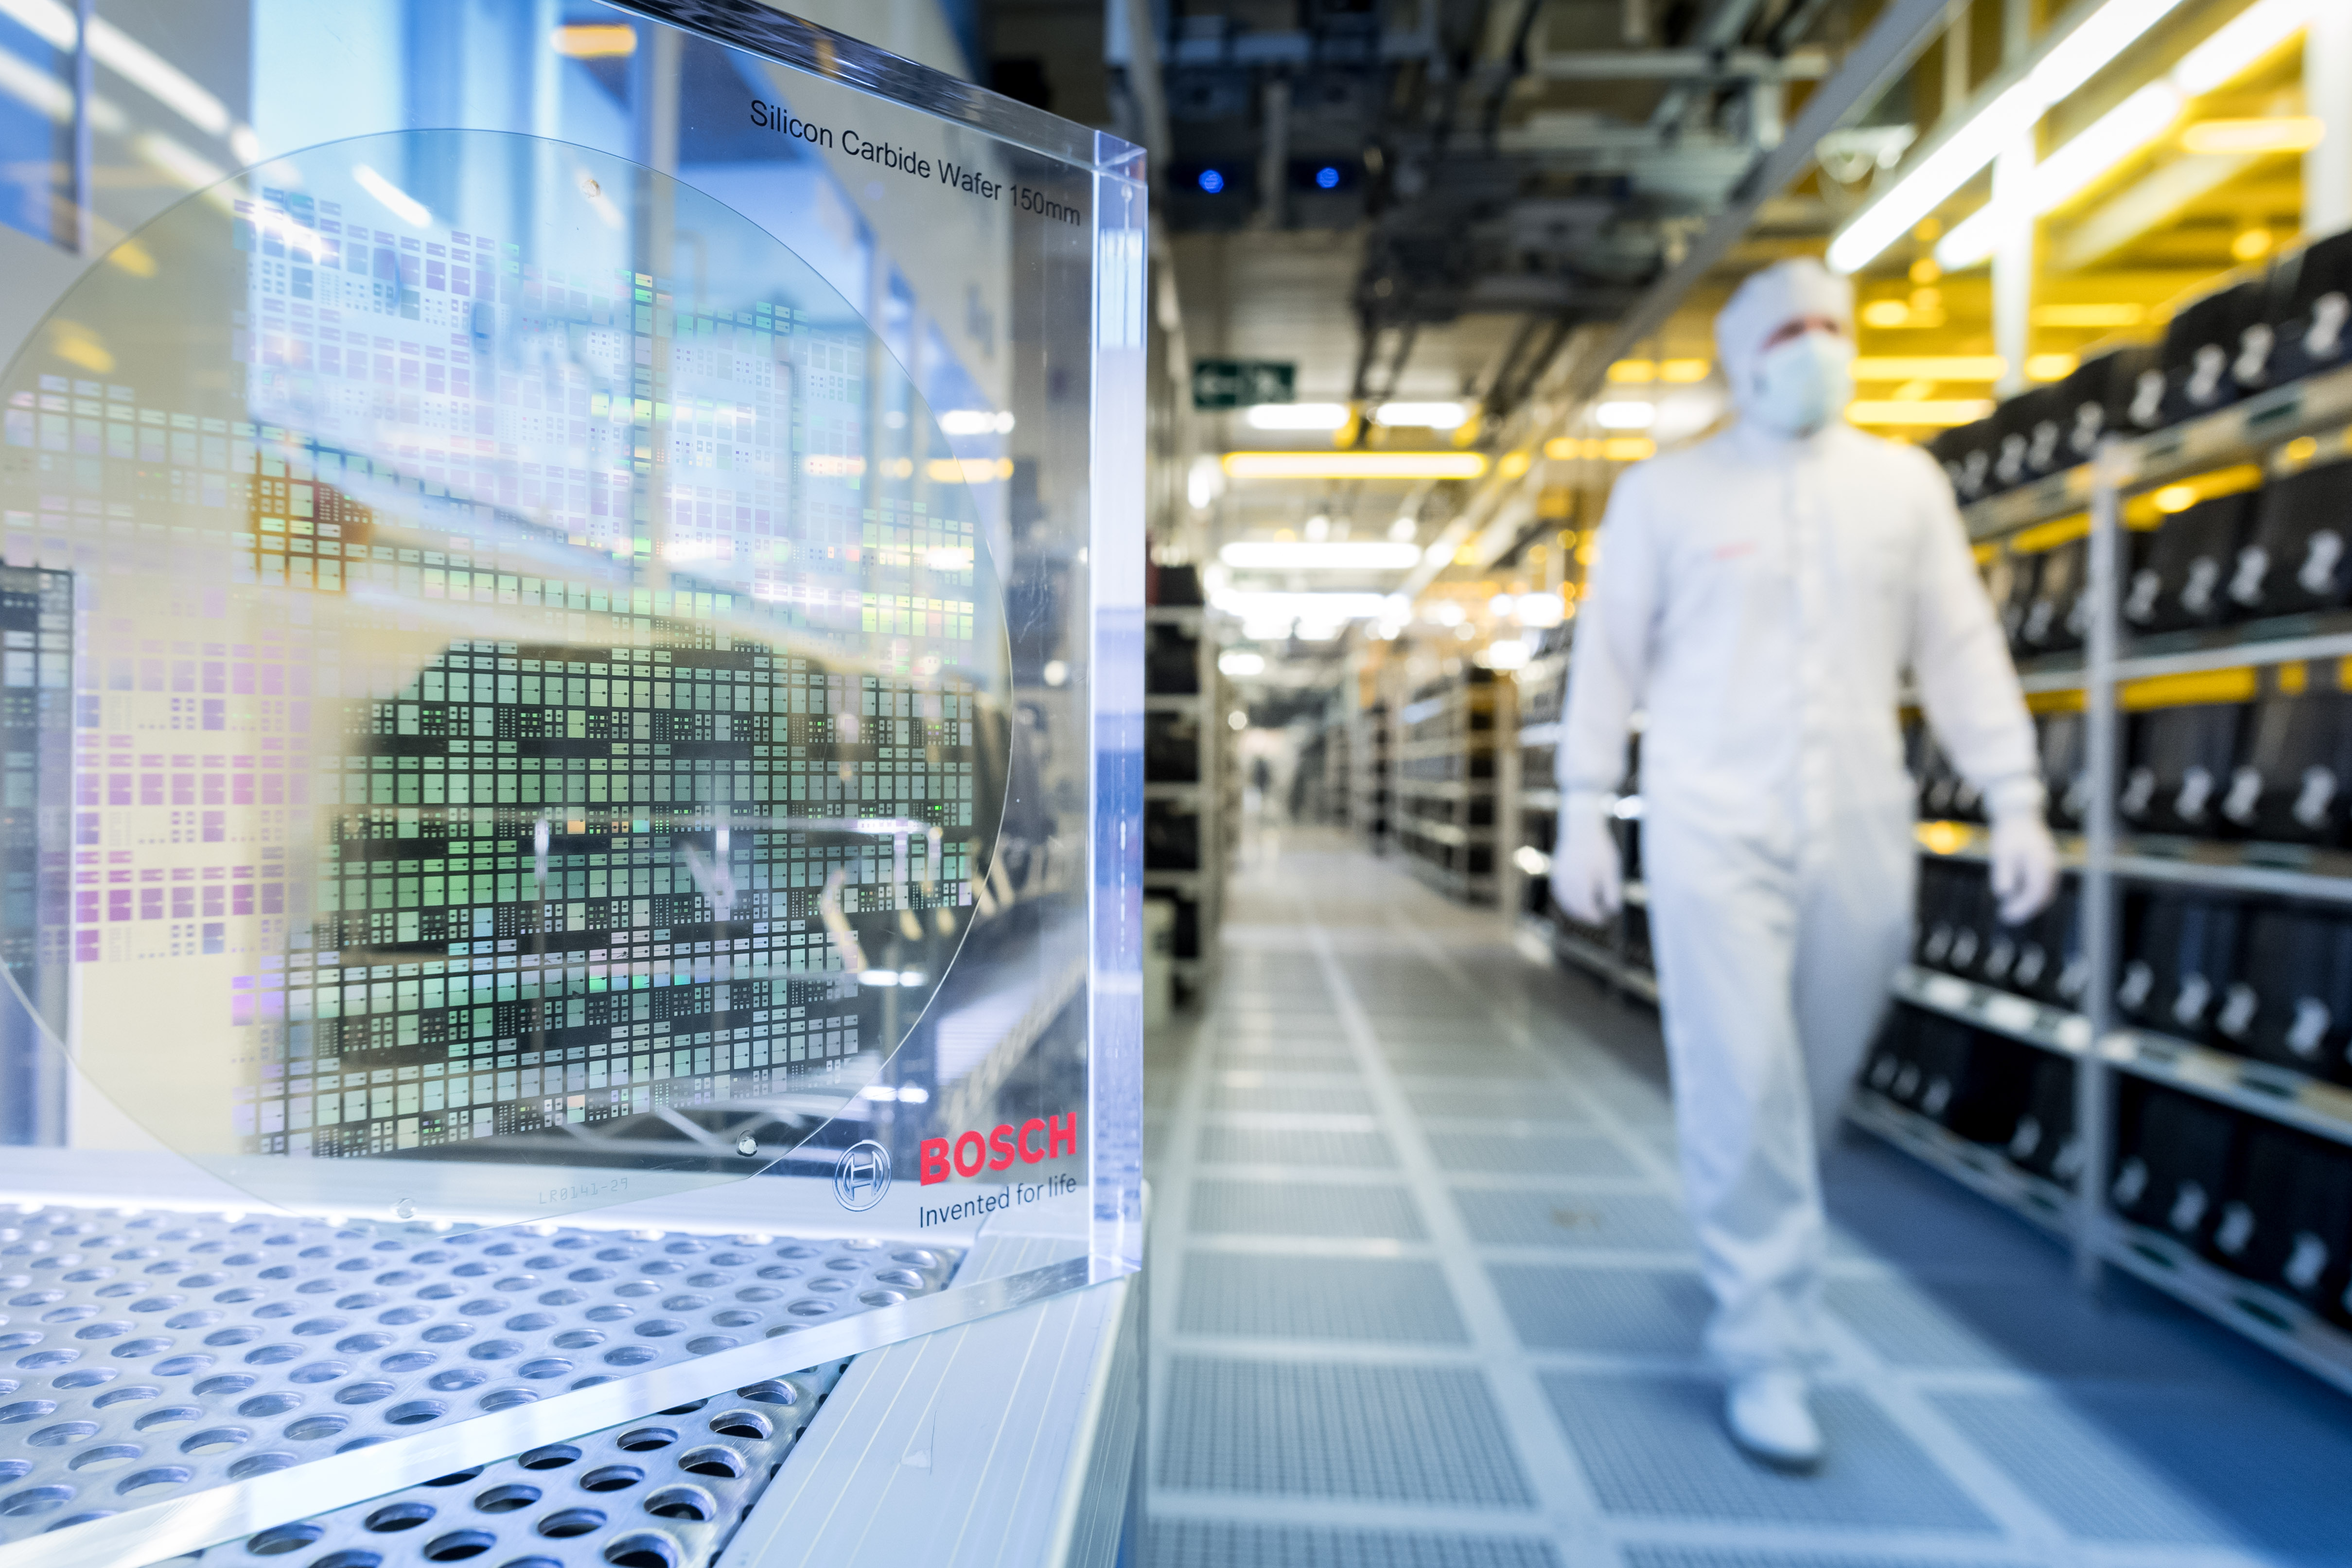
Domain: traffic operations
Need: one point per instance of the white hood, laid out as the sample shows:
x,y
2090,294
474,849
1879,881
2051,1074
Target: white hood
x,y
1767,302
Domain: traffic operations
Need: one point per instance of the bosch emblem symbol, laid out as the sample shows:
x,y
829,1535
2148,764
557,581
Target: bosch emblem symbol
x,y
862,1179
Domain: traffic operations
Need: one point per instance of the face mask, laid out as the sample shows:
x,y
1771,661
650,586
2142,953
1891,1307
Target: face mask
x,y
1802,384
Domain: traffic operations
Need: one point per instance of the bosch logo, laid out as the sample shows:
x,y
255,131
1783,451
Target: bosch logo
x,y
862,1179
1035,1141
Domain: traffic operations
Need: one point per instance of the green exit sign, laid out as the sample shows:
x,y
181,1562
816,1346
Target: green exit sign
x,y
1241,382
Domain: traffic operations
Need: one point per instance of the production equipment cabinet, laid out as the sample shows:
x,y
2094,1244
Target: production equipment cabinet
x,y
571,581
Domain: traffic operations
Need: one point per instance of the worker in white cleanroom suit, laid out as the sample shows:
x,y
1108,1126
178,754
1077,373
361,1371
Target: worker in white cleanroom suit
x,y
1757,598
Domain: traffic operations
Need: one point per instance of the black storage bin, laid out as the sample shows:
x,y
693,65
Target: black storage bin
x,y
1990,1089
2294,557
1956,915
2294,781
2287,1221
2205,348
2054,611
2016,606
2180,572
2172,1163
2041,1139
2049,965
2313,310
2061,739
2291,1003
1966,453
2177,765
2182,954
2120,392
2028,437
1172,748
1920,1059
1943,795
1171,836
1172,660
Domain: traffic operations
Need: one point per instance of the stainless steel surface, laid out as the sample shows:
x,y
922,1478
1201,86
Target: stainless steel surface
x,y
180,1378
665,1491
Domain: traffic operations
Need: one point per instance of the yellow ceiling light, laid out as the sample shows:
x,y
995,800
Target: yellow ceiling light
x,y
596,40
1628,449
2050,367
1942,412
2277,133
1682,371
1885,313
2175,497
1930,367
1354,465
1514,464
1634,371
2251,245
2089,317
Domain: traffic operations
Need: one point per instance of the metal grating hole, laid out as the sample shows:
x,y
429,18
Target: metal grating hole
x,y
1629,1311
1346,1212
1520,1217
1251,1297
216,1349
1531,1153
1310,1429
1318,1147
1223,1543
2241,1468
661,1493
1655,1447
1329,1097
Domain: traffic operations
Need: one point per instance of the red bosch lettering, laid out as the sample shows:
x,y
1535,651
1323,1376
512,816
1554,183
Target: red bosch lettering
x,y
934,1151
979,1155
1031,1157
1062,1136
1000,1147
973,1151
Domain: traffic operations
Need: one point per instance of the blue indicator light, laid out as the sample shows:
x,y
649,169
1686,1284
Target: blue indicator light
x,y
1328,177
1212,181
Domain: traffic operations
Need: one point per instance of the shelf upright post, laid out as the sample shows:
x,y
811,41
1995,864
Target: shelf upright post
x,y
2100,909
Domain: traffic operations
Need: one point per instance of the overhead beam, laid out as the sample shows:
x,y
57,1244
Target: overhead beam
x,y
1680,64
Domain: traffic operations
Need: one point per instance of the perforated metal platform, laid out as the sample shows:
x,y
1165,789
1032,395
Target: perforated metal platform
x,y
145,1355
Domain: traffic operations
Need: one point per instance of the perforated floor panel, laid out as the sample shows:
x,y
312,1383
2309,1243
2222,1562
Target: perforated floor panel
x,y
1483,1350
1248,1297
1379,1434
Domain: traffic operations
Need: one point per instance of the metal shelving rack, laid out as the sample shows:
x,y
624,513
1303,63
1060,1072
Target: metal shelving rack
x,y
1371,761
1530,801
1450,735
1201,885
2108,860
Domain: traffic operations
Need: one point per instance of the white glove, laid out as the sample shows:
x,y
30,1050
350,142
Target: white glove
x,y
1588,880
2025,865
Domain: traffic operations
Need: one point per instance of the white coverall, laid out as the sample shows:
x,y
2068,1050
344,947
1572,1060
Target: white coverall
x,y
1757,598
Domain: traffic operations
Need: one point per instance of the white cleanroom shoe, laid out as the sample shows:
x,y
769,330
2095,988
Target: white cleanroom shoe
x,y
1769,1417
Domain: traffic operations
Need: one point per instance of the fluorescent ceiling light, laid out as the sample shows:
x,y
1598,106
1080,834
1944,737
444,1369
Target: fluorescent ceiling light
x,y
1930,367
2252,34
1509,653
1354,465
1435,416
2147,115
2093,318
975,421
36,89
1241,661
1971,145
165,82
2282,134
47,20
1295,415
1319,609
1919,411
1627,416
1334,555
399,202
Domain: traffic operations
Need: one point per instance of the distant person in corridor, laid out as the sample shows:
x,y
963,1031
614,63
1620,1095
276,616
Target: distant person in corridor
x,y
1758,598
